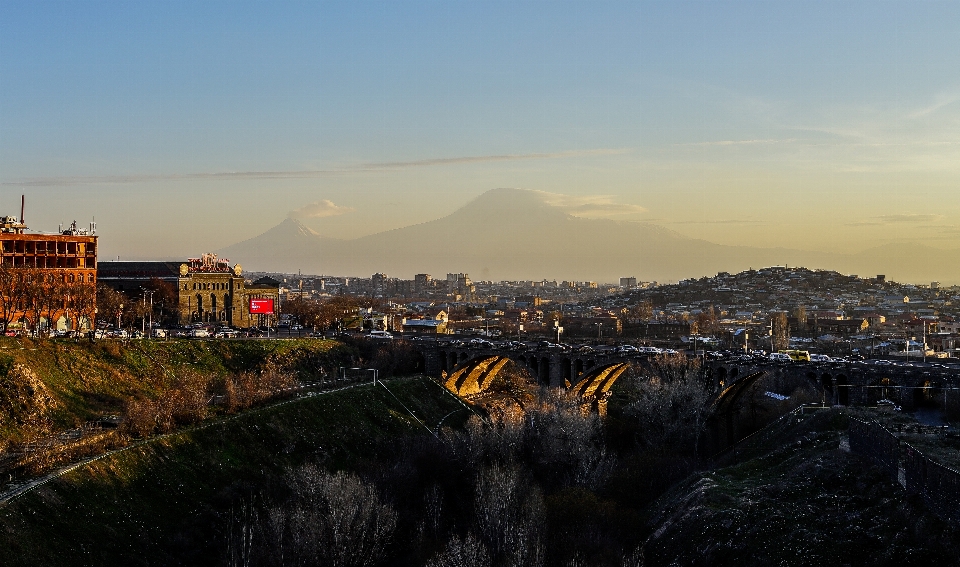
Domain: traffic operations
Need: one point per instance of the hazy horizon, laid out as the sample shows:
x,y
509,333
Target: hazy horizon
x,y
188,127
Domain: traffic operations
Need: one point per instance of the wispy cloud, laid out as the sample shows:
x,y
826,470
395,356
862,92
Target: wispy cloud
x,y
909,217
902,218
491,158
939,101
319,209
742,142
718,221
299,174
591,206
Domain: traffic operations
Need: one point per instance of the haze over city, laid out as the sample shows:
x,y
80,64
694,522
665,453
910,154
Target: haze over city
x,y
185,127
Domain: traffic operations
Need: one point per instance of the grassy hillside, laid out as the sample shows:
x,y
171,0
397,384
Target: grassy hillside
x,y
48,386
170,500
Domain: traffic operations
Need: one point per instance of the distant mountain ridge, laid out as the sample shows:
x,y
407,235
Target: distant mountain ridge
x,y
512,234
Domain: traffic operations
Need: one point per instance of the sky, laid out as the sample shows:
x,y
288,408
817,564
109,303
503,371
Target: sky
x,y
184,127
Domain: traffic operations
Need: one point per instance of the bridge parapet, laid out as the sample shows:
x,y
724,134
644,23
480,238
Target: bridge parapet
x,y
851,383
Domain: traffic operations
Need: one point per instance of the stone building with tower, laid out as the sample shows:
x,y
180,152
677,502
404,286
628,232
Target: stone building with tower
x,y
209,290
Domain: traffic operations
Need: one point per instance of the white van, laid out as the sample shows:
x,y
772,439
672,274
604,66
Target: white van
x,y
380,335
199,333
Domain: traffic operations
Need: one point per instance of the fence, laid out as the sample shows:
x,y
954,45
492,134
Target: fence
x,y
939,486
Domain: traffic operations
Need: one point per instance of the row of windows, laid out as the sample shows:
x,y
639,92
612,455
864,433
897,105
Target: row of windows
x,y
48,247
220,286
51,278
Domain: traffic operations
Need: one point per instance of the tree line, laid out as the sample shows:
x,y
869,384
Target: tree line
x,y
35,297
547,485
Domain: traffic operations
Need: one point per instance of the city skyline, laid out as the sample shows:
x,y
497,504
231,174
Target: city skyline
x,y
822,126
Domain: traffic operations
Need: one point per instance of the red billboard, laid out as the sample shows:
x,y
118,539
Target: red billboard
x,y
261,306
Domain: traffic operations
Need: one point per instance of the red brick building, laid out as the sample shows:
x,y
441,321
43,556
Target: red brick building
x,y
47,281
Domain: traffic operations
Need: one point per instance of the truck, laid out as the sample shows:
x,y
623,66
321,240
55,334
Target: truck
x,y
797,355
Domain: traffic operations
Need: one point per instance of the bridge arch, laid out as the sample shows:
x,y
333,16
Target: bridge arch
x,y
843,389
882,388
543,371
475,376
720,378
566,371
599,381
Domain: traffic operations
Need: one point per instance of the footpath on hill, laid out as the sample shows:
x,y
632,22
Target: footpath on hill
x,y
63,400
167,494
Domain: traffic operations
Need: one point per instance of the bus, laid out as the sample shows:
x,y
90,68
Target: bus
x,y
797,355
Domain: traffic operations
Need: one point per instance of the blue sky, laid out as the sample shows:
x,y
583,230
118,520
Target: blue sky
x,y
739,122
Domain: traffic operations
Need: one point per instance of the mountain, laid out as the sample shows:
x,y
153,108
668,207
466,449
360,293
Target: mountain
x,y
515,234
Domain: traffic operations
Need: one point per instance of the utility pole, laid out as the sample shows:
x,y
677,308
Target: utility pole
x,y
924,340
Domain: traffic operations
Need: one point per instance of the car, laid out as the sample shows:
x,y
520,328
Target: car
x,y
780,357
380,335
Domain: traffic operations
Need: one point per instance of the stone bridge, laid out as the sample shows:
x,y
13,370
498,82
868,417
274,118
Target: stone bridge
x,y
855,383
591,372
549,366
588,374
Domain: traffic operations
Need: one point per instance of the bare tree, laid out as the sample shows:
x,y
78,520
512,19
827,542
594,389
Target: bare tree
x,y
466,552
9,293
671,404
109,302
510,515
83,301
780,327
563,443
333,519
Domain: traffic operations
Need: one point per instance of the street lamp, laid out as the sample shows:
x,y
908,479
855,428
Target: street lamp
x,y
144,321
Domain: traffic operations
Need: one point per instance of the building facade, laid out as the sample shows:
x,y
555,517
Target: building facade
x,y
47,281
209,290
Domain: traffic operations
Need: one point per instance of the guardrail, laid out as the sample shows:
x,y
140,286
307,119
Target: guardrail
x,y
937,484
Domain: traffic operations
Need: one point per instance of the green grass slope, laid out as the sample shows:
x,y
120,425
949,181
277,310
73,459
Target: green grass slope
x,y
163,502
52,385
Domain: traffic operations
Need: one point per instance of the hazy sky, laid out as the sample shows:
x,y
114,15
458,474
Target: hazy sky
x,y
187,126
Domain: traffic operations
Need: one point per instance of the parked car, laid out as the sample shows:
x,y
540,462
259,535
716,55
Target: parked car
x,y
380,335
